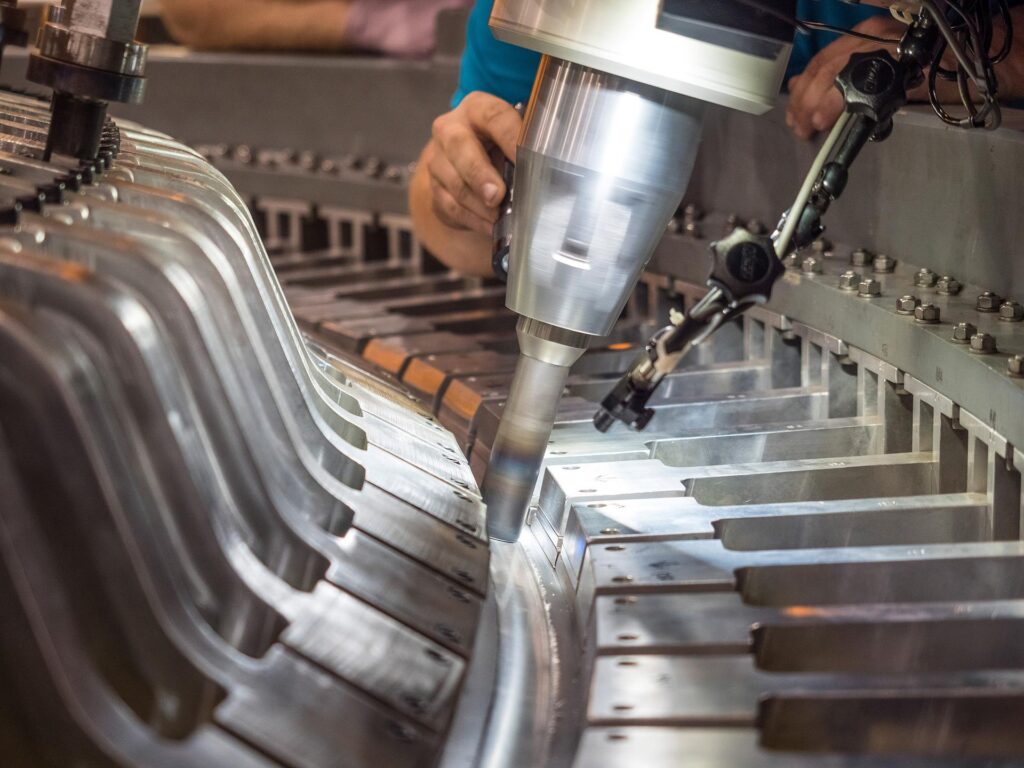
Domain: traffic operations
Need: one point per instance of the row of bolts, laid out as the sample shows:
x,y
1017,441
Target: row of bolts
x,y
271,159
989,302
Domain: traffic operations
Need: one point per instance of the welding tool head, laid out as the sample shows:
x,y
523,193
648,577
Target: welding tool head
x,y
546,355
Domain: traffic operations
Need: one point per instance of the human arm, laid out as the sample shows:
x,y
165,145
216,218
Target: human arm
x,y
456,190
258,24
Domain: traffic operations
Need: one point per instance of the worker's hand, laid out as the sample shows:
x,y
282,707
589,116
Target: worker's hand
x,y
465,186
814,101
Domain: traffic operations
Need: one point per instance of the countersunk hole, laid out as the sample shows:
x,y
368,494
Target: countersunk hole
x,y
459,595
629,638
617,737
589,490
607,531
466,540
463,575
622,579
559,453
466,525
616,548
630,600
438,657
461,495
628,663
401,732
623,707
570,469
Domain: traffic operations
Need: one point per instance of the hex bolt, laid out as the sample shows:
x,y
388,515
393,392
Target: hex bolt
x,y
925,278
811,265
849,280
862,257
822,246
964,332
928,314
1015,366
983,343
989,302
948,286
906,305
884,265
1011,311
869,289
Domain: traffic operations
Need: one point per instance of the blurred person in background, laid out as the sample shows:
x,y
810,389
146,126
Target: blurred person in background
x,y
393,27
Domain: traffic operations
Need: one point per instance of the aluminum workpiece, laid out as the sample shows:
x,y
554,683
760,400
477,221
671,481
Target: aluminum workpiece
x,y
241,522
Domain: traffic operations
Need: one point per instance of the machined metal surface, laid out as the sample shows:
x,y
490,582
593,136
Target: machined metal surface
x,y
812,556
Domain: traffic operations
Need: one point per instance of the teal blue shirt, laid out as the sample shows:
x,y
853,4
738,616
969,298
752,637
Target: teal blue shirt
x,y
507,71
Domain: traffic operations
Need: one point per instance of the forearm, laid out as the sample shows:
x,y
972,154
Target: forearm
x,y
464,250
258,24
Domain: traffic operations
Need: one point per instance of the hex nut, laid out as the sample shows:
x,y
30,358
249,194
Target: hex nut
x,y
1011,311
811,265
849,281
906,305
948,286
862,257
869,289
964,332
983,343
927,313
884,265
925,278
989,302
1015,366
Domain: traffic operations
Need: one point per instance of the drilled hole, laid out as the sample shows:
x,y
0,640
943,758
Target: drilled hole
x,y
629,638
616,548
628,663
589,490
625,600
617,737
623,707
622,579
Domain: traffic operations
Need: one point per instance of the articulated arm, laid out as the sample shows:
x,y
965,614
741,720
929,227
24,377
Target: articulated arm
x,y
746,266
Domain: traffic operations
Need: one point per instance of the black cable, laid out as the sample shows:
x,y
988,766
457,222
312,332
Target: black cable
x,y
807,27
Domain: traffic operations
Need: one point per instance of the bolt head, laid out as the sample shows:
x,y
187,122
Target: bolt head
x,y
884,264
925,278
1011,311
1015,366
822,246
983,343
693,211
869,289
693,228
989,302
862,257
927,313
757,227
850,281
948,286
793,261
906,305
811,265
964,332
